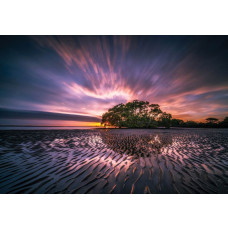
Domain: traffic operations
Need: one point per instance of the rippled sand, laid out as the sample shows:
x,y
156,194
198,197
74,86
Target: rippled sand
x,y
114,161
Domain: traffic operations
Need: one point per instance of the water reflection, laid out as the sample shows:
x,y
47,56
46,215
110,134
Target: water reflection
x,y
137,145
114,161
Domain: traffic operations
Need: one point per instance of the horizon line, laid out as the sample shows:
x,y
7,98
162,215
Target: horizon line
x,y
41,126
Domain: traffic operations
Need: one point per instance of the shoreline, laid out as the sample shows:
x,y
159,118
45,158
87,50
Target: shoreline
x,y
56,128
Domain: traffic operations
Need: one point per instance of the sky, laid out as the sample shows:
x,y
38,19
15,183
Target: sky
x,y
73,80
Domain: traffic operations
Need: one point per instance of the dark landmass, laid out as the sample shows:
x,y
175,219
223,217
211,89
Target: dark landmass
x,y
142,114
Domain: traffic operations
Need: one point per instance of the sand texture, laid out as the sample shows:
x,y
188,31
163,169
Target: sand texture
x,y
114,161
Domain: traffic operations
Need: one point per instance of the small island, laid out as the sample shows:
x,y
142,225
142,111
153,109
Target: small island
x,y
136,114
142,114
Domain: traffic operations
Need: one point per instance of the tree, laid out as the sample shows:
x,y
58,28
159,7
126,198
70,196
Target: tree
x,y
165,120
190,123
212,120
224,123
225,120
177,123
136,114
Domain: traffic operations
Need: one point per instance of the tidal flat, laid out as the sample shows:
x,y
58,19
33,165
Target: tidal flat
x,y
114,161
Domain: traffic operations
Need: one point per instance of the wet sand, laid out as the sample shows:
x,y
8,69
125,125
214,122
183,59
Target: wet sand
x,y
114,161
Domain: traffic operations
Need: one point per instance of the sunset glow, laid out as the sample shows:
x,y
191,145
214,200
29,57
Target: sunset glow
x,y
87,75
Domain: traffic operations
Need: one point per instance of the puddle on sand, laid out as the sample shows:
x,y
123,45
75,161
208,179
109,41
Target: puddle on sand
x,y
114,161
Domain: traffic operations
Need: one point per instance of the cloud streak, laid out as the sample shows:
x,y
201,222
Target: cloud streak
x,y
39,115
86,75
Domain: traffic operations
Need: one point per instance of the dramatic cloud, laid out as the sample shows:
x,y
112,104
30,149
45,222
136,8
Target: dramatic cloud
x,y
86,75
37,115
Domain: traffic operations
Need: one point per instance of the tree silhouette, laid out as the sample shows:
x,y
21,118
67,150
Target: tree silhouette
x,y
212,120
225,120
142,114
177,123
136,114
224,123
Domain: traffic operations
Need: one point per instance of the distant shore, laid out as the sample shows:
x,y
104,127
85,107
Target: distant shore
x,y
45,127
29,127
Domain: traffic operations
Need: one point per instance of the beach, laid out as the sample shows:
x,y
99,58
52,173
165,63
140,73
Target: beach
x,y
122,161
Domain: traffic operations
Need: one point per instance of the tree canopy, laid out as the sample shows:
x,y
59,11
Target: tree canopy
x,y
142,114
212,120
136,114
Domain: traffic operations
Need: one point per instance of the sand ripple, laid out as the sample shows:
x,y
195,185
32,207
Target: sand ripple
x,y
114,161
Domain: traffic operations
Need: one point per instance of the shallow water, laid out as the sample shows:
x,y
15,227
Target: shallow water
x,y
114,161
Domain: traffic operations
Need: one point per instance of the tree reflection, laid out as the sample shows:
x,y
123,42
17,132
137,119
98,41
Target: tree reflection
x,y
138,145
